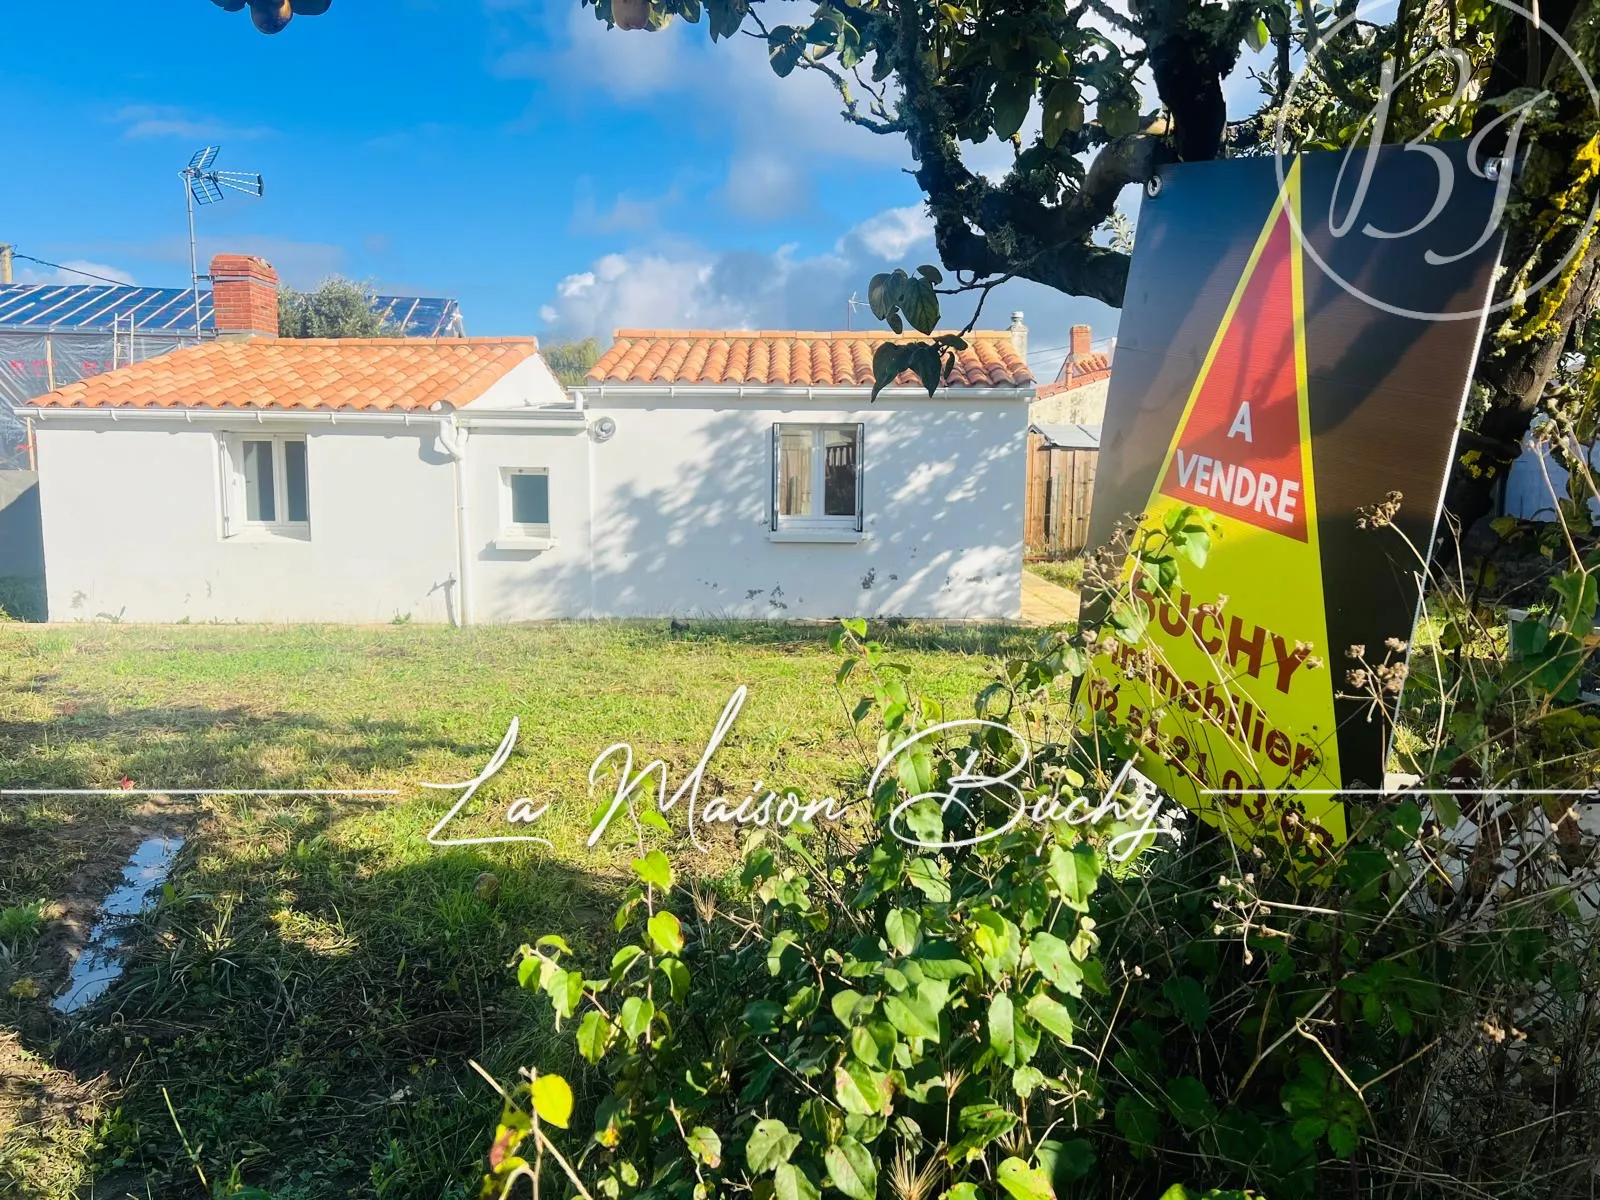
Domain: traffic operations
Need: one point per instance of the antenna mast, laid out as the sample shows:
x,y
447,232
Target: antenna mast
x,y
202,185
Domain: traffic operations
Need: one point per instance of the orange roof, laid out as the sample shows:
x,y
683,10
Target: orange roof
x,y
787,357
1077,371
373,374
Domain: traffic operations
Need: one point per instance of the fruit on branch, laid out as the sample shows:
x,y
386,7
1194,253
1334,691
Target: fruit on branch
x,y
630,14
270,16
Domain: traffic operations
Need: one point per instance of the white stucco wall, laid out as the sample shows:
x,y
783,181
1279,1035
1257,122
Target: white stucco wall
x,y
683,501
669,516
1536,482
527,585
133,528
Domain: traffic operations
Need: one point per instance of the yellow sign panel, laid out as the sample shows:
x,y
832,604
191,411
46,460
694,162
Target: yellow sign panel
x,y
1232,672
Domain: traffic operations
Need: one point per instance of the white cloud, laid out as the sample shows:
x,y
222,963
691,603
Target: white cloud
x,y
776,132
893,232
690,286
765,186
165,120
76,270
625,213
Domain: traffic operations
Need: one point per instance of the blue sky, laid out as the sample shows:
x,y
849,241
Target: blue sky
x,y
555,177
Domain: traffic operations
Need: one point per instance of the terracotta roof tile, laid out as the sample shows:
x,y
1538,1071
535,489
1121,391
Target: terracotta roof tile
x,y
382,374
777,356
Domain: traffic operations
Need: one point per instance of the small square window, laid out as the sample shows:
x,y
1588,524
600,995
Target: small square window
x,y
525,507
530,499
816,477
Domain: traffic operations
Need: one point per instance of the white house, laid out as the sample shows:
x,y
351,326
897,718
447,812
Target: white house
x,y
1537,483
697,473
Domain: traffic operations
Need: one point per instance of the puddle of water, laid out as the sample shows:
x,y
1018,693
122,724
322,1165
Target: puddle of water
x,y
101,962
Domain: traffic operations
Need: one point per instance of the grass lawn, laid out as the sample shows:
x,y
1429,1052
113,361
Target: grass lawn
x,y
312,984
1067,573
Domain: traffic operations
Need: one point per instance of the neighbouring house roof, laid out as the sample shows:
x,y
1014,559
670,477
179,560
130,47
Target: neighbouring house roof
x,y
369,374
93,307
788,357
1068,437
1076,374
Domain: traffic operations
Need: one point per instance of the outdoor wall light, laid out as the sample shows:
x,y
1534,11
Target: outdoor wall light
x,y
604,429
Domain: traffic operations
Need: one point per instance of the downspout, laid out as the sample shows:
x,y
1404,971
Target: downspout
x,y
453,441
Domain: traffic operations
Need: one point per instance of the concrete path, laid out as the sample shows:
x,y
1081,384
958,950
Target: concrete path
x,y
1046,603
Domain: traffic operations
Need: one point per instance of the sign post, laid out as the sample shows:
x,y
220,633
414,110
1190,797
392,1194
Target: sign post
x,y
1251,382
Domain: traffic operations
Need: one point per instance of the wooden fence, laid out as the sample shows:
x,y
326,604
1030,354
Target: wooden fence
x,y
1060,487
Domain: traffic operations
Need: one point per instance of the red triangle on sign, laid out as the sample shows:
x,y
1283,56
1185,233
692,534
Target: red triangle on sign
x,y
1239,450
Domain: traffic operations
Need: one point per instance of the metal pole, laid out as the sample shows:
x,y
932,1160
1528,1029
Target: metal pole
x,y
194,262
49,362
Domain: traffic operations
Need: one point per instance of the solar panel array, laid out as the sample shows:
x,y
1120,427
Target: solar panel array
x,y
40,306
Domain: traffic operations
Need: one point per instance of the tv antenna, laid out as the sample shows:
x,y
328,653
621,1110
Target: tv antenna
x,y
203,185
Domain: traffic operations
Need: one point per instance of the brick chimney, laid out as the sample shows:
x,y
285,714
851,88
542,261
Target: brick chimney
x,y
1080,341
244,290
1019,336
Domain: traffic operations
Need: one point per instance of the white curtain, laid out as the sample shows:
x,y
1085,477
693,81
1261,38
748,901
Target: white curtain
x,y
794,473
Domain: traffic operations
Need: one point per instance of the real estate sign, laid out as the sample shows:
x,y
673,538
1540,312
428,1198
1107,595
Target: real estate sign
x,y
1293,358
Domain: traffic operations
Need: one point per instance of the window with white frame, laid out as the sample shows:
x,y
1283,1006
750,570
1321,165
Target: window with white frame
x,y
816,477
525,504
265,484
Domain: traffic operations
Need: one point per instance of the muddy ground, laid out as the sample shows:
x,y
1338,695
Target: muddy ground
x,y
69,852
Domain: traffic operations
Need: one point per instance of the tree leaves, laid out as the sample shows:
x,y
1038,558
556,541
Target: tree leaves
x,y
851,1169
1024,1182
1189,1102
637,1013
552,1100
785,45
890,359
916,1012
862,1089
790,1182
1075,872
1002,1027
1138,1121
898,299
594,1035
1065,1162
1063,112
1054,960
1189,999
666,933
903,929
923,874
1012,97
1052,1015
705,1145
725,17
654,870
781,942
980,1125
677,978
769,1145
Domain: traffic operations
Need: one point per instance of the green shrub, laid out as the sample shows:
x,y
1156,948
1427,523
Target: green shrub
x,y
1031,1017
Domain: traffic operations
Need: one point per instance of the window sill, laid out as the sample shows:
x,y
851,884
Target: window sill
x,y
270,533
518,541
838,536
